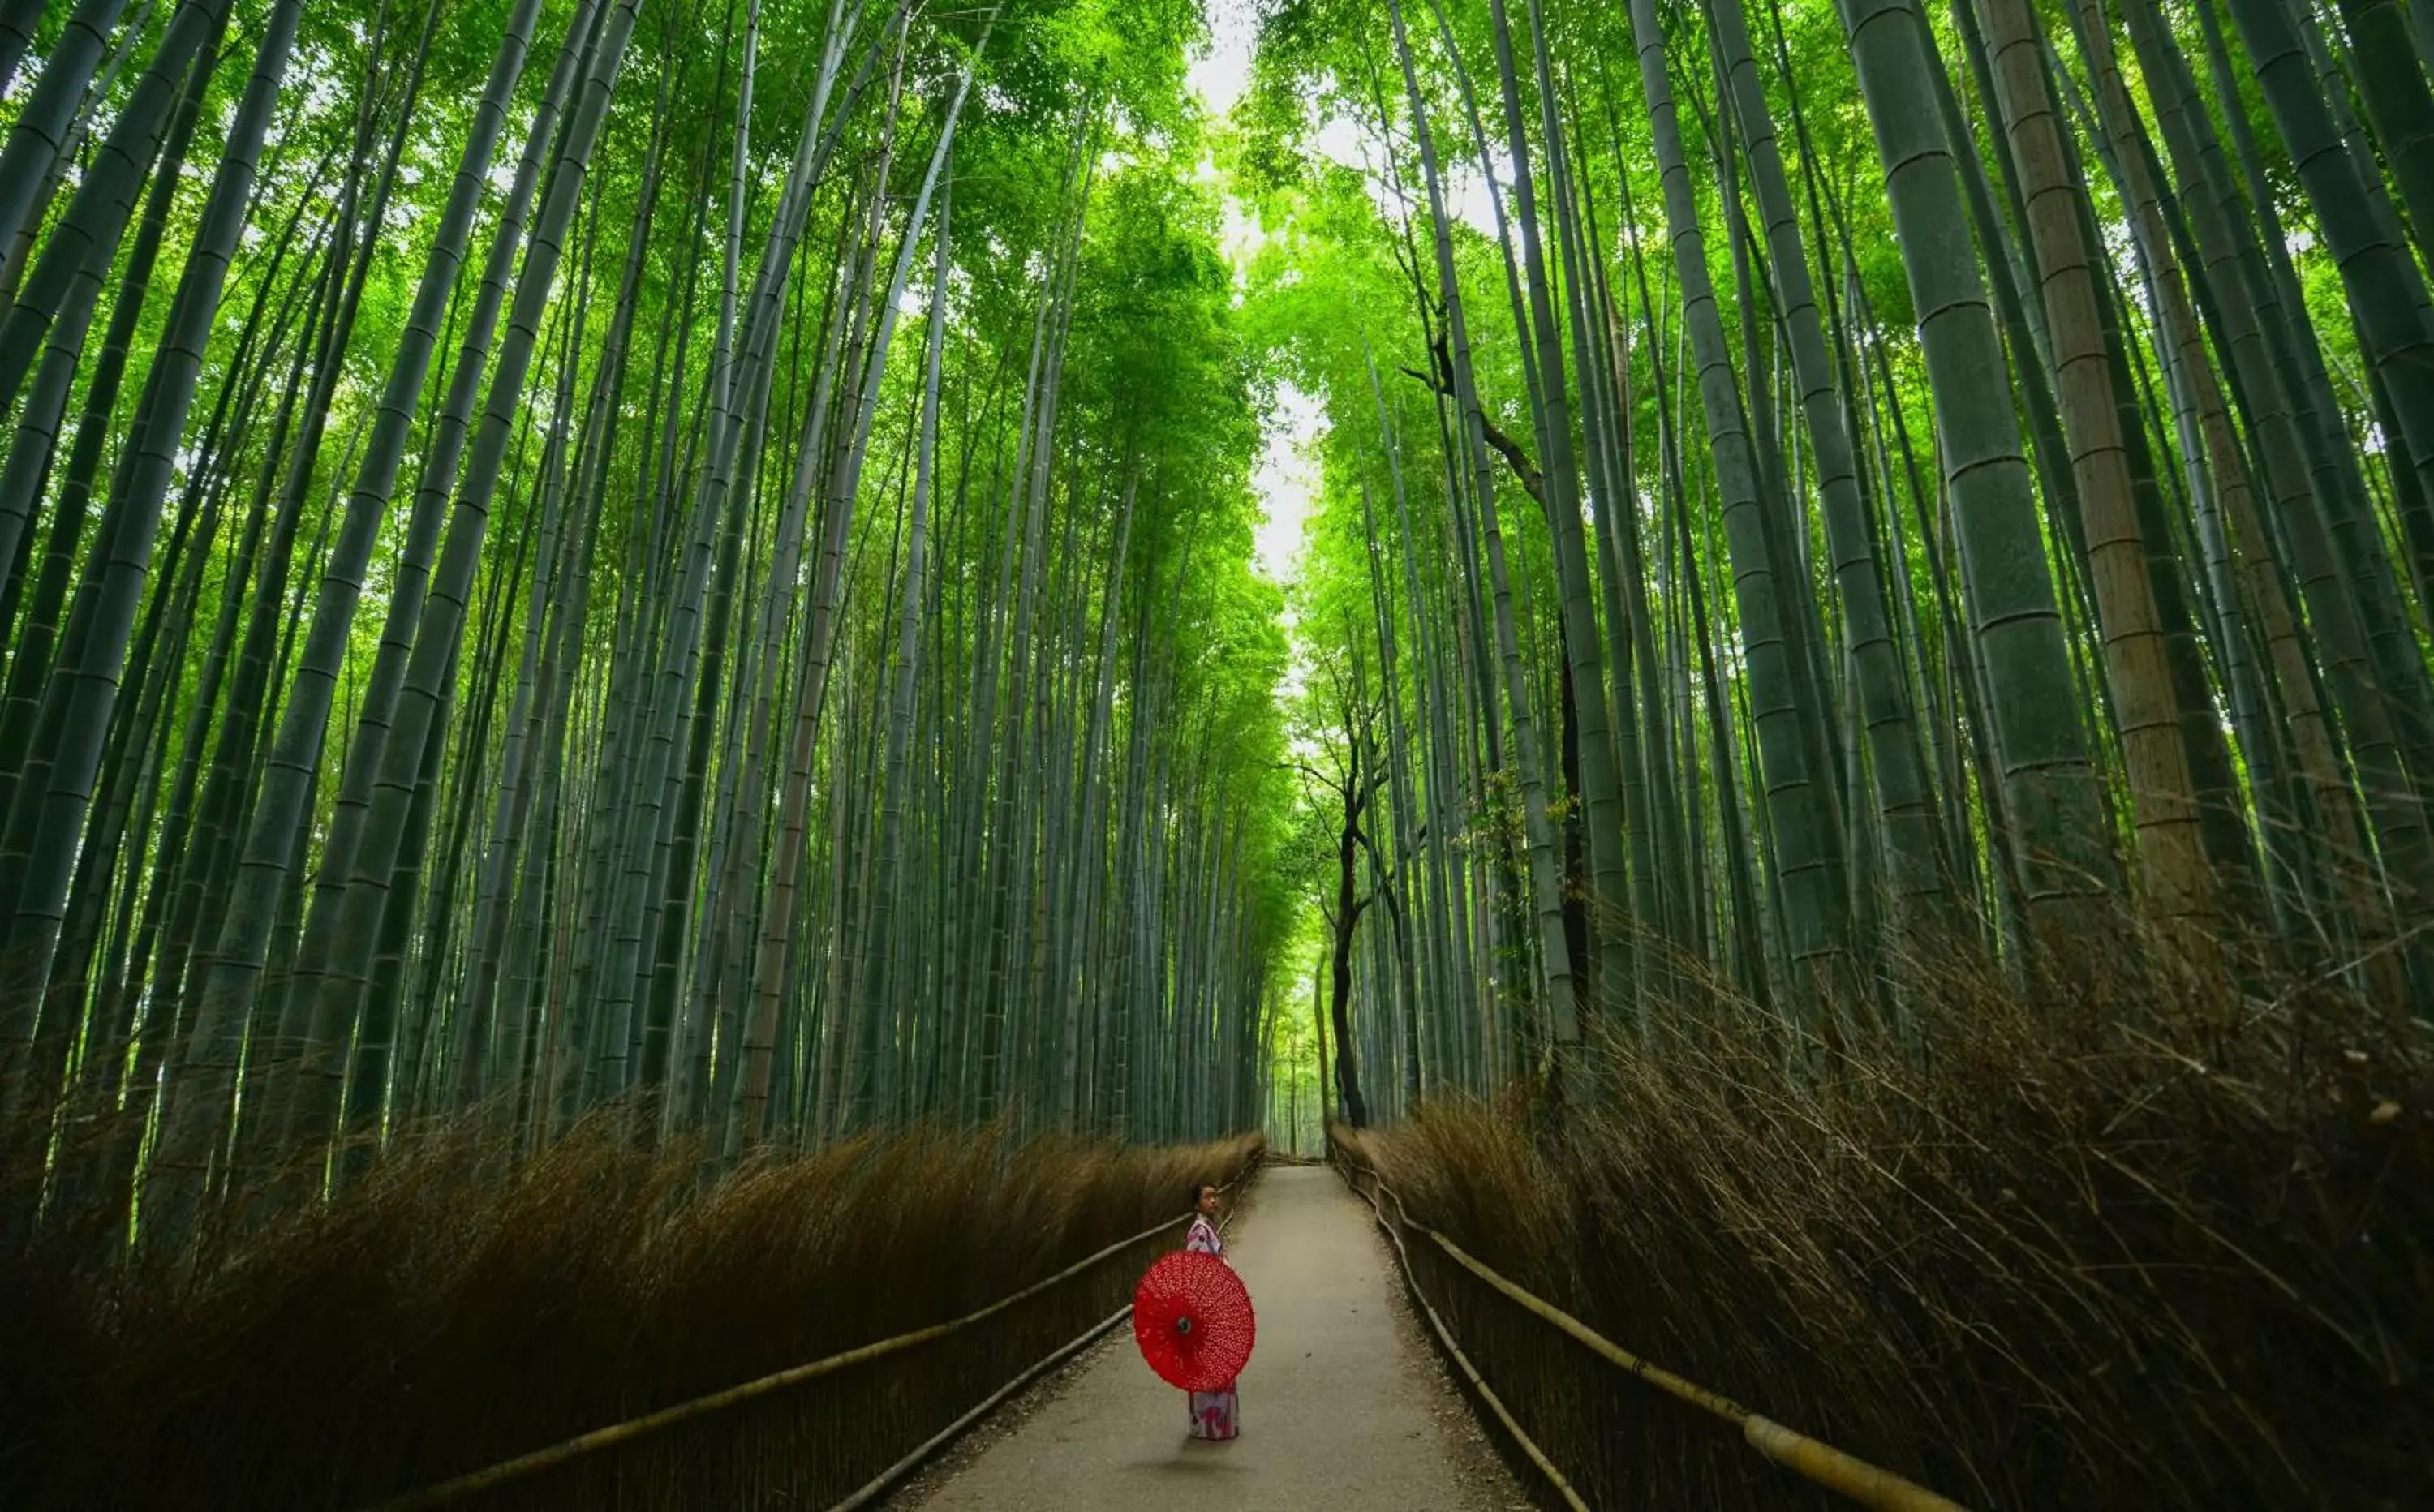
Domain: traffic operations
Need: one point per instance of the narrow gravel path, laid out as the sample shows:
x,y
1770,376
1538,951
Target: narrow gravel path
x,y
1344,1407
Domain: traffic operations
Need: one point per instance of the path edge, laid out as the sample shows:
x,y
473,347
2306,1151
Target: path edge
x,y
894,1476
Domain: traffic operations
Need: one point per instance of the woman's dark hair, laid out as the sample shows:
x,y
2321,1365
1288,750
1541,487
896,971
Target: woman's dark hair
x,y
1198,1187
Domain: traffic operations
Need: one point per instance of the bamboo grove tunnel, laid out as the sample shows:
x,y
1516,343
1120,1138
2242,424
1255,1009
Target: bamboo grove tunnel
x,y
697,696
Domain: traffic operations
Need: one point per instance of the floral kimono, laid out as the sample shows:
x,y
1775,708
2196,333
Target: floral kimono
x,y
1214,1414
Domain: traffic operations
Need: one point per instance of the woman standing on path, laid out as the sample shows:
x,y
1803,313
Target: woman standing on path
x,y
1215,1415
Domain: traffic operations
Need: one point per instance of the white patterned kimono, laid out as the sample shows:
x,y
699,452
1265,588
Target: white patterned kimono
x,y
1215,1415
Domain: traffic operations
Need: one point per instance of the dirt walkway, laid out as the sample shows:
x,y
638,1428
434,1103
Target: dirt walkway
x,y
1344,1407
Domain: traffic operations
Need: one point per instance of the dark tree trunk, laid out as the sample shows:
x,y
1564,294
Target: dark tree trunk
x,y
1345,917
1328,1107
1347,920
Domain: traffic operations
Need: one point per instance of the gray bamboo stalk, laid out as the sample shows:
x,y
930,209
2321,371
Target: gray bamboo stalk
x,y
2336,625
2296,483
1599,794
879,993
2177,882
1546,893
1808,857
284,1017
2053,798
44,827
43,126
81,246
196,1102
769,963
1912,826
426,692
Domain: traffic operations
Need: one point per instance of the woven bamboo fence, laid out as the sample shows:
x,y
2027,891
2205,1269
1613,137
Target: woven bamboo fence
x,y
1524,1356
837,1433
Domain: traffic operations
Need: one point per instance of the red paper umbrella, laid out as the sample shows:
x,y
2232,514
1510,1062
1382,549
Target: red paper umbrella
x,y
1192,1320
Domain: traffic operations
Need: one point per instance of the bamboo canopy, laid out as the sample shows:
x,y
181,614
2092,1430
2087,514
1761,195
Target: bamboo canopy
x,y
715,561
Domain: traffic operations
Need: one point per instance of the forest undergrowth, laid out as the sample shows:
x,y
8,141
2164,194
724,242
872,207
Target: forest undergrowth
x,y
2101,1243
440,1316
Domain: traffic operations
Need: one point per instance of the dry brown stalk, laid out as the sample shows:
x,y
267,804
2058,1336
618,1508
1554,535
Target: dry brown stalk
x,y
2036,1253
442,1316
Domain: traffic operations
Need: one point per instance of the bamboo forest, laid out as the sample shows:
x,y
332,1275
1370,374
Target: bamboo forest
x,y
691,691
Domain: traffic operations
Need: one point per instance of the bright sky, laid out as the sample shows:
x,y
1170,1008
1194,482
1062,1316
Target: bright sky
x,y
1220,74
1285,478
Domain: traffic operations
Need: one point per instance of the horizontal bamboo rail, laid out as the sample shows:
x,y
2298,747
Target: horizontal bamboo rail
x,y
880,1483
1819,1463
615,1434
1479,1383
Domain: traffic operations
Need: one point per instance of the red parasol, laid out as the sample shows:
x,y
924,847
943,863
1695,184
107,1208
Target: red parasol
x,y
1192,1320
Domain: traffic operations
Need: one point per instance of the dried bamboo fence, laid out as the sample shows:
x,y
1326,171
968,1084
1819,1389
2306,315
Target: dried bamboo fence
x,y
1499,1337
829,1433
